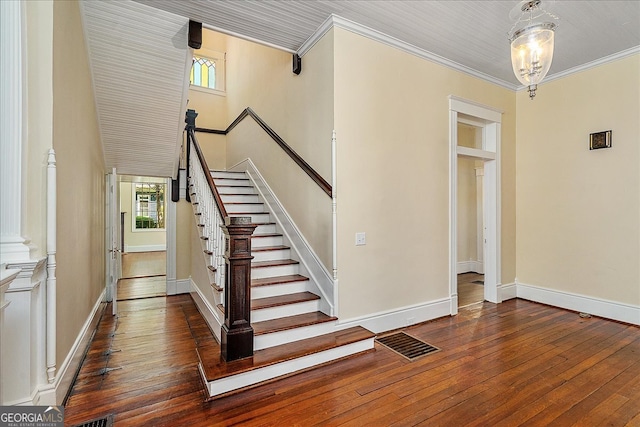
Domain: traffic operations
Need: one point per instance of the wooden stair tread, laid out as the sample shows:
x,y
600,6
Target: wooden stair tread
x,y
270,248
266,235
274,263
216,368
244,203
276,280
260,303
291,322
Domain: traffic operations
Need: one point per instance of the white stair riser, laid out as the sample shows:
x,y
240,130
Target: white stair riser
x,y
265,229
234,182
256,218
271,255
261,242
242,207
277,270
290,335
227,384
223,174
242,198
280,289
284,310
236,190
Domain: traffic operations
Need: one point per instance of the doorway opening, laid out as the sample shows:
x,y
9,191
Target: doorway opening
x,y
474,207
143,207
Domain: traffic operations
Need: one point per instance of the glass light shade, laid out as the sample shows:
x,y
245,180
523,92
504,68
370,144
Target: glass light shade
x,y
532,53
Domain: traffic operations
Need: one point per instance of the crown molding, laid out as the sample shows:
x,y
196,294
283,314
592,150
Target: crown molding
x,y
601,61
345,24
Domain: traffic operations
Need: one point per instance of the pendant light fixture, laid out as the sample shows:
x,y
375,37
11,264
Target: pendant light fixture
x,y
531,43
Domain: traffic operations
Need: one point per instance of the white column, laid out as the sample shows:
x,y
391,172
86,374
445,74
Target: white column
x,y
51,266
6,277
12,245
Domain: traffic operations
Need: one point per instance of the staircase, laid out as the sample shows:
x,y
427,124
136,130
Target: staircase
x,y
291,334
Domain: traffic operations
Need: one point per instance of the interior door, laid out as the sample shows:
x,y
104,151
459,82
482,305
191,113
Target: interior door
x,y
113,240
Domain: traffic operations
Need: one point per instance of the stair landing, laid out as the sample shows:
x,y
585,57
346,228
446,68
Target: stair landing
x,y
225,378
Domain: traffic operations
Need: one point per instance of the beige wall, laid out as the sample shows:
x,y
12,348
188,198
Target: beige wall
x,y
184,225
392,122
578,210
298,108
81,179
467,212
134,239
39,115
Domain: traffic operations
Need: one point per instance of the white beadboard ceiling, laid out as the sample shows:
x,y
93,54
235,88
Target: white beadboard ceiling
x,y
139,62
470,33
138,51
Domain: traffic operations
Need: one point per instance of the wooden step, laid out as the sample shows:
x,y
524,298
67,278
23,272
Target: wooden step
x,y
274,263
290,322
223,378
262,303
266,281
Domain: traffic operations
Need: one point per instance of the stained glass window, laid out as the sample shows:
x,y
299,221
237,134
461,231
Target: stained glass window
x,y
203,72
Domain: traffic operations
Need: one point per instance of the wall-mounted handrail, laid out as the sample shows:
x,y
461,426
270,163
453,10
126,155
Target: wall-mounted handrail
x,y
315,176
207,173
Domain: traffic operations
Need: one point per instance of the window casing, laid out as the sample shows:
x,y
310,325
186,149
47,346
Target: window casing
x,y
149,206
208,72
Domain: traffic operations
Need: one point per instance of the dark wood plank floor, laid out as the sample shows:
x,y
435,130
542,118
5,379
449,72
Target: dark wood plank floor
x,y
513,364
469,290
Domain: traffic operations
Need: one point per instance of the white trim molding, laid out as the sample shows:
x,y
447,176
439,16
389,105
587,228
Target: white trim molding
x,y
145,248
54,394
400,317
210,313
375,35
13,247
582,303
470,267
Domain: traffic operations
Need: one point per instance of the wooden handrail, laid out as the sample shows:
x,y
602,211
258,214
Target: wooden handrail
x,y
315,176
207,173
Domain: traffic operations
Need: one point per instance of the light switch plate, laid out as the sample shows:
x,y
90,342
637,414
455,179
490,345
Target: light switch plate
x,y
361,239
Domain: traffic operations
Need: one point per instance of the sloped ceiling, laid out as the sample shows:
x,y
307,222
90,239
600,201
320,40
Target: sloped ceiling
x,y
470,33
139,63
140,60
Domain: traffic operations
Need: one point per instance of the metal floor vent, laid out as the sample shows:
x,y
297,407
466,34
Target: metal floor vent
x,y
100,422
406,345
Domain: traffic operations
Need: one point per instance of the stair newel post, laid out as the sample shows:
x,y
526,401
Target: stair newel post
x,y
237,333
190,120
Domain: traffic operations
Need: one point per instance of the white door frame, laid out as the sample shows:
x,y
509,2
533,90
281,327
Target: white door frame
x,y
113,253
489,119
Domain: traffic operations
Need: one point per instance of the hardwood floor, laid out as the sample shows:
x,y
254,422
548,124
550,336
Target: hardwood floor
x,y
144,264
469,291
513,364
143,275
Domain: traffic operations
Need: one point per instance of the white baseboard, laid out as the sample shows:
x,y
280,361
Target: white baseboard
x,y
400,318
508,291
53,394
176,287
145,248
470,267
208,312
183,286
596,306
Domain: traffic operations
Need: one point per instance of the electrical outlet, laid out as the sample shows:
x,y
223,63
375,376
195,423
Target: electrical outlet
x,y
361,239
